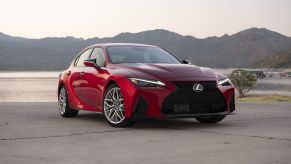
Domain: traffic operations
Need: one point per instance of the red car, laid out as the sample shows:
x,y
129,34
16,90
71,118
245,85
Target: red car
x,y
127,82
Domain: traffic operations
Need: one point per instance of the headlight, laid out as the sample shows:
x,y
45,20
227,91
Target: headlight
x,y
224,82
146,83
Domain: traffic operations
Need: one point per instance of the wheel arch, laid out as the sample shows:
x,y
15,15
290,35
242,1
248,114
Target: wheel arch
x,y
110,82
61,84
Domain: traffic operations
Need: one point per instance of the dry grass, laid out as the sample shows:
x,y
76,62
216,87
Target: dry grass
x,y
265,98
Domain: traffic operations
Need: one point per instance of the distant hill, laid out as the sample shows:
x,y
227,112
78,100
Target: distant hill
x,y
242,49
279,60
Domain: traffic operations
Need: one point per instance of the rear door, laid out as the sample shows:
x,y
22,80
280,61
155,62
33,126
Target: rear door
x,y
76,76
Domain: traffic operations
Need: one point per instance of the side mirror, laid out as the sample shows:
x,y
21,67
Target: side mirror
x,y
91,63
186,62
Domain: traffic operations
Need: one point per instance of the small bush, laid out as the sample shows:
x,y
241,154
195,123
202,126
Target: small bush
x,y
243,81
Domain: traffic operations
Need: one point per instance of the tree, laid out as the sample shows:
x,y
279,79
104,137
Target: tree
x,y
243,81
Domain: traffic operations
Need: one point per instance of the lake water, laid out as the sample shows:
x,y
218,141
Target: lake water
x,y
42,86
29,86
27,75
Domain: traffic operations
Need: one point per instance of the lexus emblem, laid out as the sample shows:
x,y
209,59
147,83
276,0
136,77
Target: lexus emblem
x,y
198,87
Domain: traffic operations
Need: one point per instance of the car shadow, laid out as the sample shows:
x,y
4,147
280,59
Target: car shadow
x,y
177,124
173,123
91,116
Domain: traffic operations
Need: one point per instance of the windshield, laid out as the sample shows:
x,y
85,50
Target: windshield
x,y
140,54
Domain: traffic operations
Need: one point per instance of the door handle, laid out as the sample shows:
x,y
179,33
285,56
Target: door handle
x,y
68,73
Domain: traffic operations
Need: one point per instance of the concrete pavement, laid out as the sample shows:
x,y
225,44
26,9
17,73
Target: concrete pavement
x,y
35,133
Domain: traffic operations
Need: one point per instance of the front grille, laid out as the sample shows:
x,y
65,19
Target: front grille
x,y
210,100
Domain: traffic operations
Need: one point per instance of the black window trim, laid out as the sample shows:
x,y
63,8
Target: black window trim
x,y
78,56
93,48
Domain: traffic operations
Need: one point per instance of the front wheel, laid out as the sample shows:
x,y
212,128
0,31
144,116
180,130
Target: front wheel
x,y
210,119
113,107
64,107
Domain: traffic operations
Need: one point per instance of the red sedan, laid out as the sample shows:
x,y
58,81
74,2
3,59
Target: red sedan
x,y
127,82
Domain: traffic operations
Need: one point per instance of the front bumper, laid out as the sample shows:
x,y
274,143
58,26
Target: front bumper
x,y
159,102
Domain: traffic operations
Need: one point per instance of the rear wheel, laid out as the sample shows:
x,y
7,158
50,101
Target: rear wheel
x,y
113,107
64,107
210,119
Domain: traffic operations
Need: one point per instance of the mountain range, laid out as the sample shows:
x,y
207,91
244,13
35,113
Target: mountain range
x,y
279,60
246,48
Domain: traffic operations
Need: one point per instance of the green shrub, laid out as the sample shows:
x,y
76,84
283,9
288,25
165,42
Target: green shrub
x,y
243,81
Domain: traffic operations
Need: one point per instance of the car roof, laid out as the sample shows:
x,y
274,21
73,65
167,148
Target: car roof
x,y
122,44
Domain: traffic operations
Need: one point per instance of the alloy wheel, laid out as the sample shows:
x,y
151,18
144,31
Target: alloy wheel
x,y
114,106
63,101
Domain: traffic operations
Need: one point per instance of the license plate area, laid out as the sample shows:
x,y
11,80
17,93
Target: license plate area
x,y
182,108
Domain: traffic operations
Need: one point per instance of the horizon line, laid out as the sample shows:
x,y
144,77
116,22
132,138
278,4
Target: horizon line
x,y
70,36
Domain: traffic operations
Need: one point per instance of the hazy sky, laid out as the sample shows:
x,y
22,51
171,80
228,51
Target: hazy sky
x,y
91,18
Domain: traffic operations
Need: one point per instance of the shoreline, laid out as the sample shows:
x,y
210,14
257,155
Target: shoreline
x,y
42,86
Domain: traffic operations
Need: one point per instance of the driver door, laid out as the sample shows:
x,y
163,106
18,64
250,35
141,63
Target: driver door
x,y
94,80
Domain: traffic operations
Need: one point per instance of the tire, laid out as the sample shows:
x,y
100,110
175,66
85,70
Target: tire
x,y
63,103
210,119
113,107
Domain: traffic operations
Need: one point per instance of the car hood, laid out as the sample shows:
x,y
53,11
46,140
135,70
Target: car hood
x,y
167,70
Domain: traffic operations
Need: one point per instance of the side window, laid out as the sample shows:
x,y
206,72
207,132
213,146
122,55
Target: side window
x,y
82,57
98,55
